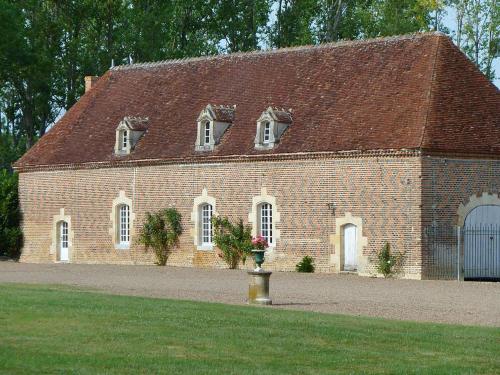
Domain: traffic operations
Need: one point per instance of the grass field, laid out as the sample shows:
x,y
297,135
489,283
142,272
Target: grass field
x,y
51,329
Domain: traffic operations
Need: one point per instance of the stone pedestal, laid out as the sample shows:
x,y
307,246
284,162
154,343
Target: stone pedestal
x,y
258,290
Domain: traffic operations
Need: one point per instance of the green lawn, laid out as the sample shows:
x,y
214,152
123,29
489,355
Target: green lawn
x,y
50,329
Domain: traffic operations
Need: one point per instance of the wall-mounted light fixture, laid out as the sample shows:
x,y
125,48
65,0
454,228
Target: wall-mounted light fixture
x,y
332,207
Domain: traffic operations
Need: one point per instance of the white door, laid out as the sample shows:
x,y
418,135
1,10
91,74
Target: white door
x,y
63,251
350,247
482,243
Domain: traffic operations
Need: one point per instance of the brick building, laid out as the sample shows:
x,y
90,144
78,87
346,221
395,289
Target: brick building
x,y
329,151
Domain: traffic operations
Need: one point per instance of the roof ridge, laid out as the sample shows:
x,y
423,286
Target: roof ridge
x,y
430,95
249,54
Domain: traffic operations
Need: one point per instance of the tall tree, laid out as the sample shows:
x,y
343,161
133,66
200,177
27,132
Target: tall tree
x,y
294,23
239,25
478,31
28,69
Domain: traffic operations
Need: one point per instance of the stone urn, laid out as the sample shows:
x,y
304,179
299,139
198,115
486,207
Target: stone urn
x,y
258,256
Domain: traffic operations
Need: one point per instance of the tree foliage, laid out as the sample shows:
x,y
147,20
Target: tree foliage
x,y
234,240
477,31
10,216
161,232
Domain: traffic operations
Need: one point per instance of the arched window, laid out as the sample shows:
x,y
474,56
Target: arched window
x,y
206,224
212,123
266,222
124,225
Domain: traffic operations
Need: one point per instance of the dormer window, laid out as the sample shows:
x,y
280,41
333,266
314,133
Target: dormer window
x,y
128,133
270,127
213,122
207,133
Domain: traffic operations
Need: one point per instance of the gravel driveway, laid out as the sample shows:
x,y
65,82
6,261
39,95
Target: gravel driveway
x,y
436,301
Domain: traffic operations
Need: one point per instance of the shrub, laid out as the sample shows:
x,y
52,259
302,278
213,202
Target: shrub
x,y
386,261
161,232
11,237
305,265
234,240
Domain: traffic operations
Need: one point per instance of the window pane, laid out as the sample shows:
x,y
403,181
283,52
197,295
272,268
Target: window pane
x,y
125,139
124,224
206,224
267,132
266,222
64,235
207,133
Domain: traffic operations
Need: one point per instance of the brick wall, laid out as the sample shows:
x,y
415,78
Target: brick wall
x,y
448,183
384,191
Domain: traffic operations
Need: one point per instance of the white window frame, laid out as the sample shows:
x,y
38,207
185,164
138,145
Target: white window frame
x,y
124,225
255,219
267,133
55,246
266,227
64,234
206,133
206,232
114,216
125,140
197,233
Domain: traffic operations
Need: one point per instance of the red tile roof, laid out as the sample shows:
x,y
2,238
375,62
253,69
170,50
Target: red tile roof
x,y
136,123
223,113
410,92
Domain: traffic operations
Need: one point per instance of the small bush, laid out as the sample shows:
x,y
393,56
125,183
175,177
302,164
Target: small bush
x,y
161,232
234,240
305,265
386,261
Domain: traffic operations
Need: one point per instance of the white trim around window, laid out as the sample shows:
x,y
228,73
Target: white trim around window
x,y
204,208
122,222
62,236
264,217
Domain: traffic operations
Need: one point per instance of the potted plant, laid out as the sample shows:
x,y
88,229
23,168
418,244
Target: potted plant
x,y
260,245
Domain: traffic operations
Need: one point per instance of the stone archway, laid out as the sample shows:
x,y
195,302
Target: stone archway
x,y
486,199
480,223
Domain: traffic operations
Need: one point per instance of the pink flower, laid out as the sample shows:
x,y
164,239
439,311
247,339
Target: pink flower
x,y
260,242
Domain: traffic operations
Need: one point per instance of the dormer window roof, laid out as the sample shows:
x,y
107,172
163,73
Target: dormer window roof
x,y
213,122
271,125
128,133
